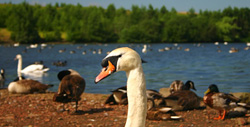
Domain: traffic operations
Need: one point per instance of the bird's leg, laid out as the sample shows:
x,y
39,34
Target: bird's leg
x,y
219,116
63,107
76,106
224,114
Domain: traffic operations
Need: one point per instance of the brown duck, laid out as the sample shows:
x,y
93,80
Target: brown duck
x,y
182,100
178,85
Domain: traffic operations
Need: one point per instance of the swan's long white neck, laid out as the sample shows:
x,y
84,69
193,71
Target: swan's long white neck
x,y
19,68
137,98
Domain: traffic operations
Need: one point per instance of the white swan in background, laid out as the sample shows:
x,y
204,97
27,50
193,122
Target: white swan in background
x,y
128,60
33,68
144,50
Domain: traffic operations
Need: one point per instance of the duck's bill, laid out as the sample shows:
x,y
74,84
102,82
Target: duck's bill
x,y
106,71
207,91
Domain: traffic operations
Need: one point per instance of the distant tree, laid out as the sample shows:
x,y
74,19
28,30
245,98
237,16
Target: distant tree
x,y
4,13
225,27
72,18
191,12
111,12
177,29
144,24
22,24
48,23
163,10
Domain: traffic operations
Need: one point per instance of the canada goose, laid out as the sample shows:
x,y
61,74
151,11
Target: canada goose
x,y
33,68
182,100
2,77
70,88
26,86
19,78
219,101
128,60
178,85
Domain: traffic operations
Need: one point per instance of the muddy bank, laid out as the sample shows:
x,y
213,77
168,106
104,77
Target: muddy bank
x,y
40,110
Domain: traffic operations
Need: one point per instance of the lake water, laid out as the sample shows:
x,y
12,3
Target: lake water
x,y
202,64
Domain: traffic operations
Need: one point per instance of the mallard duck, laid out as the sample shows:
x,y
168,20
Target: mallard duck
x,y
182,100
70,88
179,85
119,96
219,101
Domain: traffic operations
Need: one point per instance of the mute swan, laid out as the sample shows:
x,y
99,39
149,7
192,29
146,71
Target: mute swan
x,y
178,85
25,86
70,88
219,101
144,50
128,60
33,68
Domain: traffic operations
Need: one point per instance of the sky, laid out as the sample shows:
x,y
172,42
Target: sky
x,y
179,5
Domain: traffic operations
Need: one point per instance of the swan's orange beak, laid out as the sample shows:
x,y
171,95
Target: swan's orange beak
x,y
106,71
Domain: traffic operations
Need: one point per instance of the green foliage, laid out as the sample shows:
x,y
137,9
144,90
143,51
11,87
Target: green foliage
x,y
226,26
22,24
137,25
4,12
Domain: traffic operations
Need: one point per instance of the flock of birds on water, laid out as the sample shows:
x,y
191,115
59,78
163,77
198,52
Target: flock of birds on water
x,y
140,100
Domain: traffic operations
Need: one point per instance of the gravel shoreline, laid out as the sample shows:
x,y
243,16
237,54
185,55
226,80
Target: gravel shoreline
x,y
39,110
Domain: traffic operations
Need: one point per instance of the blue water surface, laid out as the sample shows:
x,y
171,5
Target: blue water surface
x,y
202,64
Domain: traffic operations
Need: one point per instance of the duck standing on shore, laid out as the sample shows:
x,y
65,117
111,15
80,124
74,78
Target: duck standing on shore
x,y
219,101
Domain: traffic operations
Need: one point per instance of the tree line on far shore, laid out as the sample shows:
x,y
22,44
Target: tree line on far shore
x,y
75,23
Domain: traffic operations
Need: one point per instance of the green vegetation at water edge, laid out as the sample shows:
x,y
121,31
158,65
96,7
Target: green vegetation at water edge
x,y
75,23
